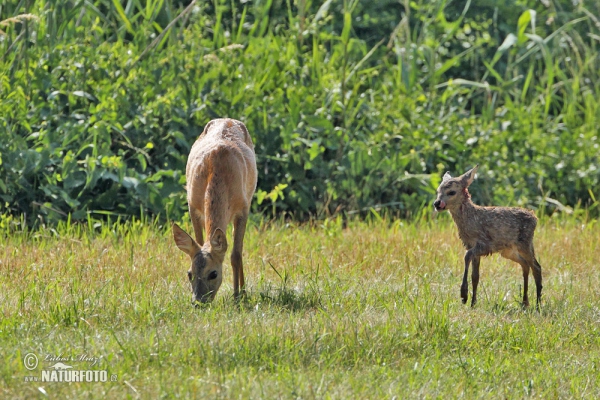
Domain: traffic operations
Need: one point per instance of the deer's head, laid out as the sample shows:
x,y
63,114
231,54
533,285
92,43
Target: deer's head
x,y
206,271
453,191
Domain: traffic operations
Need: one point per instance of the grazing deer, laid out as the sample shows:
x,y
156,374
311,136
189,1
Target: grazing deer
x,y
221,180
487,230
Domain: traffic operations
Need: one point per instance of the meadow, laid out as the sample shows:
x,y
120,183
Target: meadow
x,y
356,109
364,310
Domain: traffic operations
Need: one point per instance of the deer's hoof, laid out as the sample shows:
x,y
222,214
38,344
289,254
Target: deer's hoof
x,y
464,295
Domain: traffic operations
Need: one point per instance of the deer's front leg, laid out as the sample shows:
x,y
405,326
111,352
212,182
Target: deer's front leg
x,y
464,288
239,229
475,279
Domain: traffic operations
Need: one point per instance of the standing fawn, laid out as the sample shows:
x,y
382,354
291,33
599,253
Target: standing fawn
x,y
221,180
487,230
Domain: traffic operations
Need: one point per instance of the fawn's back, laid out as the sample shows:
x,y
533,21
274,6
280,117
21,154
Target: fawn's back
x,y
495,228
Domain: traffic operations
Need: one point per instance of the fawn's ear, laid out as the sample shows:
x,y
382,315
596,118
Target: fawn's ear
x,y
468,177
446,177
218,242
185,241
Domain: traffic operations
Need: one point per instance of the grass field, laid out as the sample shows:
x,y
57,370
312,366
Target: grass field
x,y
368,311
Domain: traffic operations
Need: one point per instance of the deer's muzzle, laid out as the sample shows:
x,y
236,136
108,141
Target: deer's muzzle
x,y
439,205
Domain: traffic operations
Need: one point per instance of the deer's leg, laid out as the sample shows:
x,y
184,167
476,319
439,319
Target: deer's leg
x,y
464,288
475,279
198,224
528,261
239,229
537,275
525,267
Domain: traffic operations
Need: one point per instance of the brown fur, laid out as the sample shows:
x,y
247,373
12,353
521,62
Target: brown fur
x,y
486,230
221,180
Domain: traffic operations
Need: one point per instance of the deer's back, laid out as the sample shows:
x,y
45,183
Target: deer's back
x,y
496,228
222,164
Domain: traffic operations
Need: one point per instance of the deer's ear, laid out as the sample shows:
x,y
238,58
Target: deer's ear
x,y
218,242
185,241
446,177
207,127
468,177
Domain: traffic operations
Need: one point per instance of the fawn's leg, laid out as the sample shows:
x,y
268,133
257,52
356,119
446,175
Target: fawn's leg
x,y
239,229
537,275
475,279
528,258
464,288
525,267
198,224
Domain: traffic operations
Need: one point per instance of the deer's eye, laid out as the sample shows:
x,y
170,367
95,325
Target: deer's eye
x,y
212,275
451,193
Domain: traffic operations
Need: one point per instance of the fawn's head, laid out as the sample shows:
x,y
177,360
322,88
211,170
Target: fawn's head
x,y
206,271
453,191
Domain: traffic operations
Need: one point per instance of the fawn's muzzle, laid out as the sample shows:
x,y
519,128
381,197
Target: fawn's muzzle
x,y
439,205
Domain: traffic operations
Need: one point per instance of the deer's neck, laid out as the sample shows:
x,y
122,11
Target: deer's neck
x,y
216,209
464,217
464,211
213,221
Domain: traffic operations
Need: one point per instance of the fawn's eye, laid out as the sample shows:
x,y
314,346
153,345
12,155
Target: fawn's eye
x,y
212,275
451,193
189,275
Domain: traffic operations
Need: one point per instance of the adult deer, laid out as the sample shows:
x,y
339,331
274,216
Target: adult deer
x,y
221,180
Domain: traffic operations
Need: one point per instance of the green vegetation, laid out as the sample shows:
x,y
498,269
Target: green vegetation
x,y
369,311
352,105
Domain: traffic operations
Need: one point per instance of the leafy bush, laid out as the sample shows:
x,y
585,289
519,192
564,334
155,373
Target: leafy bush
x,y
350,108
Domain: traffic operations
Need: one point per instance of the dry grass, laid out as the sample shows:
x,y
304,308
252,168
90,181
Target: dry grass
x,y
371,311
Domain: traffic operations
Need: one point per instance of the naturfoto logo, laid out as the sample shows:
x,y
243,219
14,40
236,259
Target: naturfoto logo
x,y
61,371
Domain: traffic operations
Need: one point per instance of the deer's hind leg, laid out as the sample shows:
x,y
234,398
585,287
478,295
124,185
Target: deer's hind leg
x,y
528,256
239,230
525,267
519,256
537,275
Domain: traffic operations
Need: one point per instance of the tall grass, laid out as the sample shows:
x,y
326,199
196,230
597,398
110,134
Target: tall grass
x,y
371,310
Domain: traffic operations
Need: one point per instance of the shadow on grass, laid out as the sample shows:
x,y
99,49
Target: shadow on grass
x,y
516,308
284,298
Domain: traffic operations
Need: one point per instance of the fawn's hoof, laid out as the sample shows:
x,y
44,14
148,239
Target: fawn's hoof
x,y
464,295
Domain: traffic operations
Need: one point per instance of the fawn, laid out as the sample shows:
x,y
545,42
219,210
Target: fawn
x,y
487,230
221,180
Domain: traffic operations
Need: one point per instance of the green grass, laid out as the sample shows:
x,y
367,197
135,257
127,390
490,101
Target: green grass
x,y
369,311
